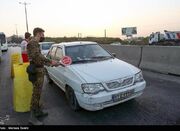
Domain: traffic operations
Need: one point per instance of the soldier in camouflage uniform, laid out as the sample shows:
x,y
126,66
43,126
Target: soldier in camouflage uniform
x,y
35,57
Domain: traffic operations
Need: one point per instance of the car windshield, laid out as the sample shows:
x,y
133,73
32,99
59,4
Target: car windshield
x,y
86,53
46,46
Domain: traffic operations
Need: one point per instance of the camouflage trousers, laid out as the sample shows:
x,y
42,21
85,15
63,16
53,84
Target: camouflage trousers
x,y
37,89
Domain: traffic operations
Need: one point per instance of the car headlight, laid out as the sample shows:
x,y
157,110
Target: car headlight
x,y
92,88
138,77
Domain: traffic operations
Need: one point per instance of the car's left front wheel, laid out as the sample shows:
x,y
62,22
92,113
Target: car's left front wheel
x,y
71,97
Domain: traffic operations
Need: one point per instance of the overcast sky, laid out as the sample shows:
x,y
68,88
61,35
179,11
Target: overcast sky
x,y
90,17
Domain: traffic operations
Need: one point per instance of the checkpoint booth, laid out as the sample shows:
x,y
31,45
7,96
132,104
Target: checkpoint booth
x,y
22,90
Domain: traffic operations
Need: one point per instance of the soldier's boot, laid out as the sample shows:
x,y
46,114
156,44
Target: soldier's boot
x,y
41,113
33,120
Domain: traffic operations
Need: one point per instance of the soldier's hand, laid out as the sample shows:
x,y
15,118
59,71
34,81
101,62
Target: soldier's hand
x,y
53,63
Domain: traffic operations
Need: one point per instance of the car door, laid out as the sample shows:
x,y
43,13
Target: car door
x,y
51,56
60,70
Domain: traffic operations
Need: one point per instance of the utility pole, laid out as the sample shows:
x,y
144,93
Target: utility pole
x,y
105,36
24,3
79,36
16,30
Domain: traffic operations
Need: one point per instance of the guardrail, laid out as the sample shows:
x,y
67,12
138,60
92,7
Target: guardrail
x,y
163,59
130,54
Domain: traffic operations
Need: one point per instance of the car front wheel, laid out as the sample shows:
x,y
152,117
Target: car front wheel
x,y
71,97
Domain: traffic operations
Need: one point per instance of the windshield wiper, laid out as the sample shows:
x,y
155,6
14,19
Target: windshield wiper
x,y
102,57
83,61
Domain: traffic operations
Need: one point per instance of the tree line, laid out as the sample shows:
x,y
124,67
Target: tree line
x,y
100,40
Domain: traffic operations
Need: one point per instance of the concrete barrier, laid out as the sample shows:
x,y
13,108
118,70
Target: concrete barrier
x,y
130,54
161,59
22,91
15,57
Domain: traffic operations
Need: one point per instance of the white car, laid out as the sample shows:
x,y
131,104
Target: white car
x,y
3,42
95,79
45,46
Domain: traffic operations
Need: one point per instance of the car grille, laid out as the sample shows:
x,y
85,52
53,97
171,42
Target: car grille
x,y
121,83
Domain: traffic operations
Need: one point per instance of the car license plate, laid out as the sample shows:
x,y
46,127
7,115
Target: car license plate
x,y
122,96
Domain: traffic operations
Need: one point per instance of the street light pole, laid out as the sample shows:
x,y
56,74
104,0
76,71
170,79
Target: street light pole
x,y
26,17
16,30
25,13
105,33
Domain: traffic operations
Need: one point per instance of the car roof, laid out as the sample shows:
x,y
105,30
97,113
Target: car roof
x,y
46,42
75,43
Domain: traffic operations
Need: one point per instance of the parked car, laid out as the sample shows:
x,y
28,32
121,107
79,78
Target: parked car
x,y
95,79
45,46
3,42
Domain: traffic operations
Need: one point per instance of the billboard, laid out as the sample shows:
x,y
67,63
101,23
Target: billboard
x,y
129,31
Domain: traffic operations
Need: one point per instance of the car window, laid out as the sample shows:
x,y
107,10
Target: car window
x,y
72,52
98,51
59,54
46,46
51,53
87,53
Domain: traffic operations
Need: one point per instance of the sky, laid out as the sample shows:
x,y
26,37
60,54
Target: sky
x,y
61,18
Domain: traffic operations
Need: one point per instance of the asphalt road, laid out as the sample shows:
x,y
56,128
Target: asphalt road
x,y
159,105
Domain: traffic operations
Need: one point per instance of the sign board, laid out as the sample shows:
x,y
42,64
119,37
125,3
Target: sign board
x,y
129,31
66,60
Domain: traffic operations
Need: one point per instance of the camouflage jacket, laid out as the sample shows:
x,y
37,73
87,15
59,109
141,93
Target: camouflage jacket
x,y
34,54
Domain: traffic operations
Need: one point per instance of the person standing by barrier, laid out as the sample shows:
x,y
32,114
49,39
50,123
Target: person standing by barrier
x,y
38,60
24,43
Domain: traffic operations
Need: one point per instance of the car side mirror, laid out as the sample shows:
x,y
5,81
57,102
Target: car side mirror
x,y
48,55
114,54
61,64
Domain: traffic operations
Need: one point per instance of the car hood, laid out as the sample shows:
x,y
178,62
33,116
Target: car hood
x,y
103,71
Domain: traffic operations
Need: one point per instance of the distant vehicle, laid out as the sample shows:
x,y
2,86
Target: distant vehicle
x,y
3,42
168,38
95,79
116,43
45,46
14,44
9,45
